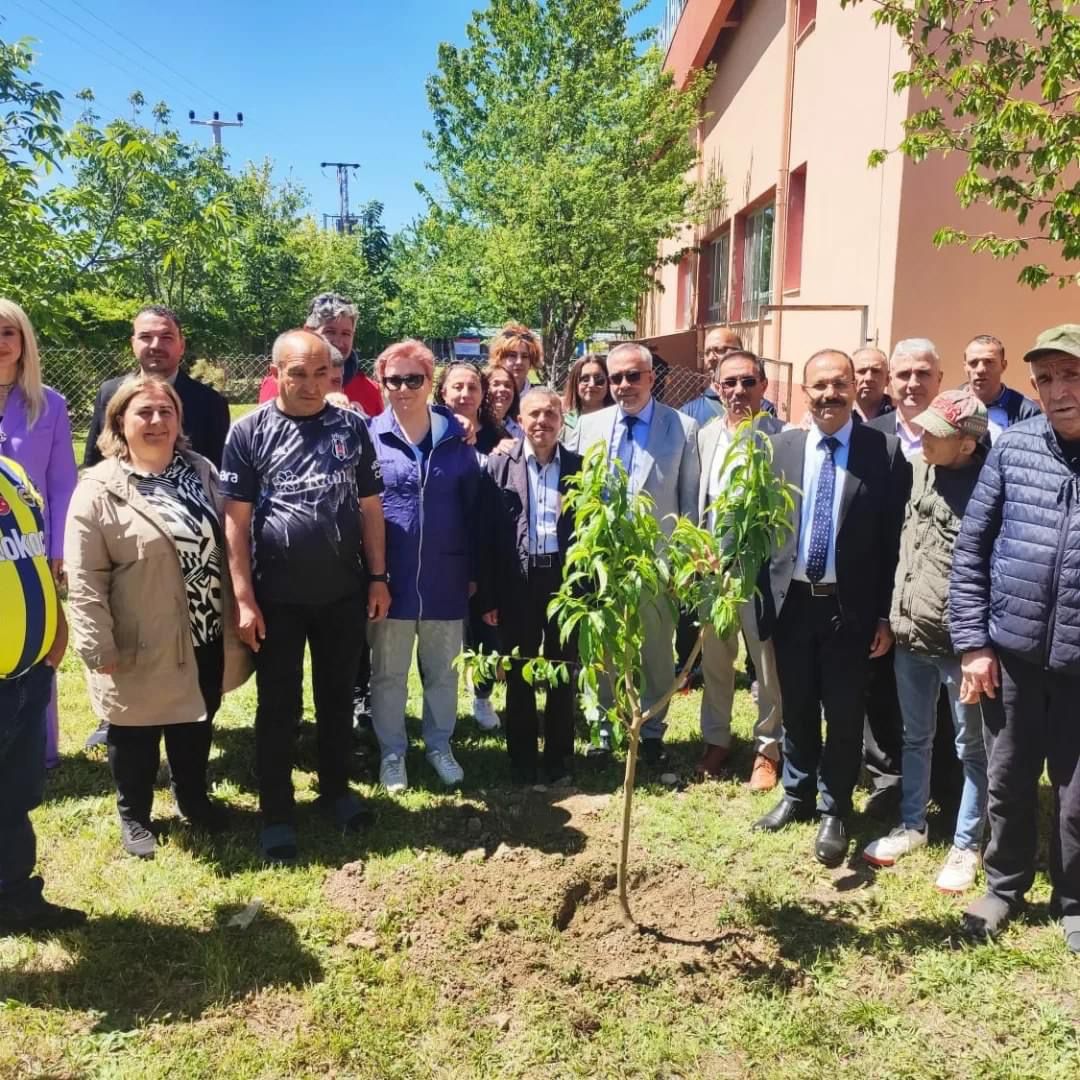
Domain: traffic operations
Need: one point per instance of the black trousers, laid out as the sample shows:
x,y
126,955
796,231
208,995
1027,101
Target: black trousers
x,y
335,632
822,664
528,627
883,732
1033,721
134,752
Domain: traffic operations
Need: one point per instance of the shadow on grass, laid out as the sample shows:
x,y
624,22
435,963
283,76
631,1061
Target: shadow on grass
x,y
131,971
79,776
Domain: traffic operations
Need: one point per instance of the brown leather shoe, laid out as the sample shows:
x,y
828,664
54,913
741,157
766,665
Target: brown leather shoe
x,y
713,761
765,774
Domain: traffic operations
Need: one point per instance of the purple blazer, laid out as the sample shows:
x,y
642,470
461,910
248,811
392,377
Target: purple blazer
x,y
46,453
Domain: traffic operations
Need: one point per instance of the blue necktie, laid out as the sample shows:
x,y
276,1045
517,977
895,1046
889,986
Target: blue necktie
x,y
821,526
626,447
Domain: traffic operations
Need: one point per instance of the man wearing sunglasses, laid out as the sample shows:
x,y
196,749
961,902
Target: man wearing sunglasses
x,y
742,382
719,342
657,446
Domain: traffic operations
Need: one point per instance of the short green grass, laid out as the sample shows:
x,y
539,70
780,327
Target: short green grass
x,y
854,977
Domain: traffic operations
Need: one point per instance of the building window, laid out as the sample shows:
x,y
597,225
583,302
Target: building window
x,y
683,296
806,12
718,268
796,211
757,261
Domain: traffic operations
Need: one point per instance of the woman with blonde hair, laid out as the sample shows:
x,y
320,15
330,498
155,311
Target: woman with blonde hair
x,y
35,431
151,604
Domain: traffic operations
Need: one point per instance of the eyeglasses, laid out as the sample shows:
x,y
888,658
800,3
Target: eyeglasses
x,y
598,380
617,378
747,382
396,382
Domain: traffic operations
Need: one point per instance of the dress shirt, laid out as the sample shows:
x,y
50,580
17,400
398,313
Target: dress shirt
x,y
628,444
910,443
545,502
813,457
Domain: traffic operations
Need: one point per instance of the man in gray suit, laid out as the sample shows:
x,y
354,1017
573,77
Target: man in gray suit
x,y
658,447
741,381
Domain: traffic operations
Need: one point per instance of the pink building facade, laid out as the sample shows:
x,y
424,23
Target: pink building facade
x,y
802,93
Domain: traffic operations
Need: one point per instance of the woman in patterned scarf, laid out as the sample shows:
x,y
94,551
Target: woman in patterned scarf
x,y
151,606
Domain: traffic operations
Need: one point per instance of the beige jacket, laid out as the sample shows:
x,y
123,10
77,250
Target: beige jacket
x,y
128,606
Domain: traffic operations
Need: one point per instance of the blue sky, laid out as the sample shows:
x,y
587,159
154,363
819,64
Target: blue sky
x,y
315,83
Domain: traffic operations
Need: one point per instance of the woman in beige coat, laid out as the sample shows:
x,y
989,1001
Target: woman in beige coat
x,y
151,605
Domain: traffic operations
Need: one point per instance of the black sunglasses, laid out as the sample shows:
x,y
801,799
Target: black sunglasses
x,y
747,382
396,382
632,377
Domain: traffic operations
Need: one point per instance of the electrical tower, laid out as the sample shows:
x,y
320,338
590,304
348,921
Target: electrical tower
x,y
217,123
344,222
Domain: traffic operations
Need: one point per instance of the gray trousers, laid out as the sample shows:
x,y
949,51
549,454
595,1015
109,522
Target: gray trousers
x,y
718,657
437,643
658,665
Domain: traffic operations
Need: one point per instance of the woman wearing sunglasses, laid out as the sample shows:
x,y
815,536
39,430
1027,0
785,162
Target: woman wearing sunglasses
x,y
587,389
431,478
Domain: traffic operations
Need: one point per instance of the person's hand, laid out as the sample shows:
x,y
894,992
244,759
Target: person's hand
x,y
250,625
469,428
980,674
491,617
59,645
57,568
472,589
504,446
883,639
378,601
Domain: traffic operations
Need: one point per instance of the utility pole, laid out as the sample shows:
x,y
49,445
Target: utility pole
x,y
217,123
344,223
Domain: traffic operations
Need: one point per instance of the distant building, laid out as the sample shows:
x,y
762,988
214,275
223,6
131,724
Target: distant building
x,y
800,106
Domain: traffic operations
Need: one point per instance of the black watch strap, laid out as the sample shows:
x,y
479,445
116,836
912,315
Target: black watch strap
x,y
381,578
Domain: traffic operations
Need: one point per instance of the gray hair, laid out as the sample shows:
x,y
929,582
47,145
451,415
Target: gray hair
x,y
543,391
336,357
642,352
870,349
742,354
915,346
326,307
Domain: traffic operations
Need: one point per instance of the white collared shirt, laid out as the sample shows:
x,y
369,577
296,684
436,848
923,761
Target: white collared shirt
x,y
813,458
545,502
910,441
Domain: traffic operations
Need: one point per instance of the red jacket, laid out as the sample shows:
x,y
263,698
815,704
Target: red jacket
x,y
361,389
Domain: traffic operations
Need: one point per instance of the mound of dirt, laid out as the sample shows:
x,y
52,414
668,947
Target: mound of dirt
x,y
517,918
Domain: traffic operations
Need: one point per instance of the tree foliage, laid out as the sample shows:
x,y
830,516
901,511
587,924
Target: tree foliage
x,y
1001,83
622,558
562,156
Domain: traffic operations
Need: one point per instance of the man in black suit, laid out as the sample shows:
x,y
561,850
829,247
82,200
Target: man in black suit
x,y
529,536
158,343
829,586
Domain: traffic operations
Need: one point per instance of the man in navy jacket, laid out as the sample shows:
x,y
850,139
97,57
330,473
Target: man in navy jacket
x,y
1015,619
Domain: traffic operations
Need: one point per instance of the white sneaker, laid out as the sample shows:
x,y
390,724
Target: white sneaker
x,y
484,714
960,870
896,845
445,764
392,774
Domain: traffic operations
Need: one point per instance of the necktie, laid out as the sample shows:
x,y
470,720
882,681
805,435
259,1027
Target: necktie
x,y
821,526
626,446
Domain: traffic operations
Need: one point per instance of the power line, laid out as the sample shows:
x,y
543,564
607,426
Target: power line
x,y
157,77
211,98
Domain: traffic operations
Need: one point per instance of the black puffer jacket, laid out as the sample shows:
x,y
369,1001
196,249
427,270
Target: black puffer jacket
x,y
1015,580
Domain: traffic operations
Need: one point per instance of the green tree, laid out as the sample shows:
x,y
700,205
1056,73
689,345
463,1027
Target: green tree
x,y
1002,92
562,155
621,557
35,260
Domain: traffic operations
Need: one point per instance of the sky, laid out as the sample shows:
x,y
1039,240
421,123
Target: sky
x,y
315,84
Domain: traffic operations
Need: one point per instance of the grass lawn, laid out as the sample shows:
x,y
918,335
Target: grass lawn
x,y
452,945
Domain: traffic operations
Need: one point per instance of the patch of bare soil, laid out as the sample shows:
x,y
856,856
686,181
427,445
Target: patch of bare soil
x,y
515,917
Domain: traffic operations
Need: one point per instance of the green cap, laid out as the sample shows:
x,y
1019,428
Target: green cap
x,y
1058,339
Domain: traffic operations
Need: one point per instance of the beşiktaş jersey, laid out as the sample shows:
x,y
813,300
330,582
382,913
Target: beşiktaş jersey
x,y
305,477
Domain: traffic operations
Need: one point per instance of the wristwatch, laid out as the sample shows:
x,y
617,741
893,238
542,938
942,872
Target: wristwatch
x,y
383,579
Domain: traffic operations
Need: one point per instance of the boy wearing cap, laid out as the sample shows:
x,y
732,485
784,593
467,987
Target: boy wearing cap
x,y
1014,615
944,476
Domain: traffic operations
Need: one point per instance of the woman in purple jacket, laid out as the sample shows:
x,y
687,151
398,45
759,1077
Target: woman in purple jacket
x,y
431,479
35,432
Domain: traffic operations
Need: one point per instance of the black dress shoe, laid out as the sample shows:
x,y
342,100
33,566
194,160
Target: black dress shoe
x,y
831,843
783,814
653,753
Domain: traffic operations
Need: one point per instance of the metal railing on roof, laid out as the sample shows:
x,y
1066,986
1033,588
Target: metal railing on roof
x,y
672,14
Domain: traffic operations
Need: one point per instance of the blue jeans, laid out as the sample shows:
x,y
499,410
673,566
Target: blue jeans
x,y
918,682
23,702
